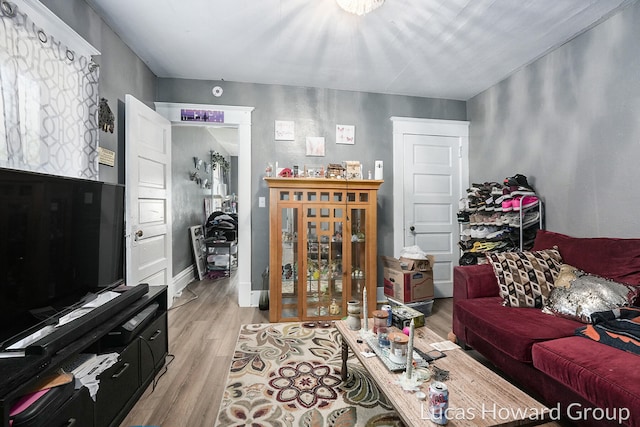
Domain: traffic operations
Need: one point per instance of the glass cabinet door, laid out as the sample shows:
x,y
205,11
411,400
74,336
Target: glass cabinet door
x,y
324,280
358,253
289,276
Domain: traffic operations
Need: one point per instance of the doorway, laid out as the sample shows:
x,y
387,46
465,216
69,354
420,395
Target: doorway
x,y
430,161
239,118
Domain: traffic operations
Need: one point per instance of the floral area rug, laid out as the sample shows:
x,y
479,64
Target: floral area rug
x,y
285,374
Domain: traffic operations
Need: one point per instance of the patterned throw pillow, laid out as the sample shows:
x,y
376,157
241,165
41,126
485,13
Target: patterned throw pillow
x,y
526,278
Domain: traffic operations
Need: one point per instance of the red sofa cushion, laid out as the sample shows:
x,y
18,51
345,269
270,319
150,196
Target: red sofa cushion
x,y
603,375
513,330
617,259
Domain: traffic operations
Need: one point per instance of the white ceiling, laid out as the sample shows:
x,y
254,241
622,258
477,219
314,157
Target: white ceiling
x,y
451,49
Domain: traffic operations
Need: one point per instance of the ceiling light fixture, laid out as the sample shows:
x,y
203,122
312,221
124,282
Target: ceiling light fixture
x,y
359,7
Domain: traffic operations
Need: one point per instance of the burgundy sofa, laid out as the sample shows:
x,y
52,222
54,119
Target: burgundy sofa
x,y
588,381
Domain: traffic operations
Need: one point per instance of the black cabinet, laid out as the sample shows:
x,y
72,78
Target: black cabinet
x,y
75,412
141,355
154,342
117,385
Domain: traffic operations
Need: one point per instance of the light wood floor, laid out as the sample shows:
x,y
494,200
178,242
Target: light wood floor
x,y
203,328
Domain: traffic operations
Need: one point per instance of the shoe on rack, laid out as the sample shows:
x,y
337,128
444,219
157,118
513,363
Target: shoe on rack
x,y
481,232
528,202
514,220
504,219
488,203
515,203
465,246
473,203
522,191
463,217
507,204
518,180
530,218
468,258
492,219
496,234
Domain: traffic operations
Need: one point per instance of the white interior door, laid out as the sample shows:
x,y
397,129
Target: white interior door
x,y
433,172
148,196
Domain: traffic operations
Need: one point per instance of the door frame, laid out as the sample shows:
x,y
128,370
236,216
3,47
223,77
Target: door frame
x,y
415,126
241,117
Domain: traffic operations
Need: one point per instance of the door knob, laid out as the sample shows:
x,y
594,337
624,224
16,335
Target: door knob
x,y
412,228
139,233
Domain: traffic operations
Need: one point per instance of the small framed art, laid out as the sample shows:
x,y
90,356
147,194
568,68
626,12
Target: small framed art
x,y
345,134
284,130
315,146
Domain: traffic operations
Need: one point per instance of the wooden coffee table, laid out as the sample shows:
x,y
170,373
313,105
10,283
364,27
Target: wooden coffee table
x,y
477,395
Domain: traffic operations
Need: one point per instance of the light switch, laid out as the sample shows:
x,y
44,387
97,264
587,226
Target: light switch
x,y
262,202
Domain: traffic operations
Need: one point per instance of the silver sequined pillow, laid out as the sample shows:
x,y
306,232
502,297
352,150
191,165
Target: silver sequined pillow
x,y
577,295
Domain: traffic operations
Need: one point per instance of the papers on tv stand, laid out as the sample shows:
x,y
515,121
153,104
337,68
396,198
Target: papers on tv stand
x,y
100,299
87,367
28,340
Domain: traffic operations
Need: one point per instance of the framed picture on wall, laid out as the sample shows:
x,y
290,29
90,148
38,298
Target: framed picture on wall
x,y
285,130
315,146
345,134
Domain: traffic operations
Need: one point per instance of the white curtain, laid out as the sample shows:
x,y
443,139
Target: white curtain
x,y
48,101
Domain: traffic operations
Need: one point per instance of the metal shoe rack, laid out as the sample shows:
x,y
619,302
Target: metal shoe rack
x,y
525,240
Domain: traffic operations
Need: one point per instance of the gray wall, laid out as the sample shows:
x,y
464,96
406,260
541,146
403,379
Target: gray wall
x,y
570,122
188,142
315,113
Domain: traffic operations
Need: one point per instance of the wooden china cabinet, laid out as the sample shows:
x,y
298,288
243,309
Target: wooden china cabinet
x,y
322,246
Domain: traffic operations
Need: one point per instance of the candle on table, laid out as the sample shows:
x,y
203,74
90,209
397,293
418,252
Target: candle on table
x,y
409,371
364,310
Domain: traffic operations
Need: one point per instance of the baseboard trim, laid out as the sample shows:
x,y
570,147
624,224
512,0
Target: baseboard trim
x,y
182,279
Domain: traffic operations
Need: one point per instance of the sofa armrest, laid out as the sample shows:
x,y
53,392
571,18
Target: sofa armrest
x,y
474,281
471,281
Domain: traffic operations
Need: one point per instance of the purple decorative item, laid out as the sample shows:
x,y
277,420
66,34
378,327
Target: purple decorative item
x,y
189,115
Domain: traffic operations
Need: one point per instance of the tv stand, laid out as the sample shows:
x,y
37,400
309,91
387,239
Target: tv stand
x,y
141,356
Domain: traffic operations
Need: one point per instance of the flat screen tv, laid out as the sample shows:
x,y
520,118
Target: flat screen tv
x,y
60,240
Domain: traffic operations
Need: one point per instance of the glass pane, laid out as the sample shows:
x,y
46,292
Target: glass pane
x,y
325,212
337,213
311,196
289,274
316,270
284,195
358,252
297,196
336,306
364,197
337,197
324,197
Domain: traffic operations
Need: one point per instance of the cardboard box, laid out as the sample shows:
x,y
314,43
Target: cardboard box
x,y
418,264
406,285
